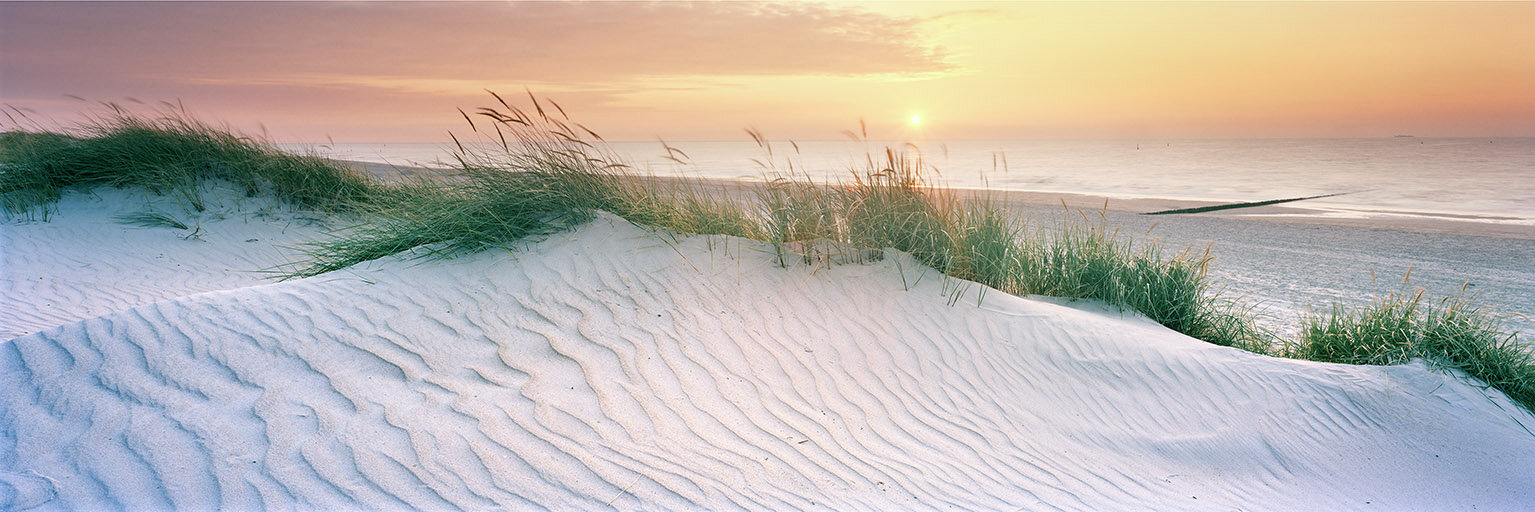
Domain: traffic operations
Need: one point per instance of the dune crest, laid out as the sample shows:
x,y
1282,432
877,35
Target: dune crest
x,y
85,261
607,368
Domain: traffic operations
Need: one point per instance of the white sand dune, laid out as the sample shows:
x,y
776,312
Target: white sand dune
x,y
84,262
605,368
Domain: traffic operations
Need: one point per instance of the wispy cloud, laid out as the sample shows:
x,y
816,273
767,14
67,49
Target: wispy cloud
x,y
397,70
436,47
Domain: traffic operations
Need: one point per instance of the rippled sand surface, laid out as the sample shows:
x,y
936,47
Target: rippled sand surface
x,y
614,367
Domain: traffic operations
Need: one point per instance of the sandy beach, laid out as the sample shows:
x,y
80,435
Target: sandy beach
x,y
762,256
610,367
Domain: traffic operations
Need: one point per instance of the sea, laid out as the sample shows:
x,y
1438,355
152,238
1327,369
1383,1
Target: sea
x,y
1285,270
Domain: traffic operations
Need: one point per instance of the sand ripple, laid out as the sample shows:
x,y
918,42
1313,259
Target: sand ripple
x,y
84,263
607,369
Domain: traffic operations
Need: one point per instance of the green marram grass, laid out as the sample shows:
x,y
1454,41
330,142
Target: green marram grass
x,y
168,152
152,219
1453,332
533,172
546,177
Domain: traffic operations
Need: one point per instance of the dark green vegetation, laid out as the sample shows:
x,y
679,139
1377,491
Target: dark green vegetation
x,y
151,219
532,173
170,153
889,205
1452,333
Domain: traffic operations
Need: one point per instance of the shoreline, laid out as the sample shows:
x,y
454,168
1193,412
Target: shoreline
x,y
1415,222
1289,213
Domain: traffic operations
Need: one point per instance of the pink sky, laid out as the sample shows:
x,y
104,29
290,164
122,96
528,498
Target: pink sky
x,y
364,71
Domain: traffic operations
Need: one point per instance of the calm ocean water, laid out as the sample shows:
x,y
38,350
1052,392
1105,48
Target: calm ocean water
x,y
1287,267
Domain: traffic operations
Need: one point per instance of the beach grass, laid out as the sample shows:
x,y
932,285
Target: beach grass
x,y
170,152
151,219
547,177
1453,332
534,172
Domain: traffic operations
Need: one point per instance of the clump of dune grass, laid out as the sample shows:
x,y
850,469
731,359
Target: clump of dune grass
x,y
169,152
151,219
1453,332
890,203
541,173
1087,259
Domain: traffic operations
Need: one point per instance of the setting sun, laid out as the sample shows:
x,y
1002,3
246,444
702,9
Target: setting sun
x,y
999,70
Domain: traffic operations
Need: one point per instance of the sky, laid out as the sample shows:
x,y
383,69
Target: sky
x,y
388,72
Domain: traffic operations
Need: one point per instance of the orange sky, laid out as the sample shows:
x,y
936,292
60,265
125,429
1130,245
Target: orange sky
x,y
361,71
